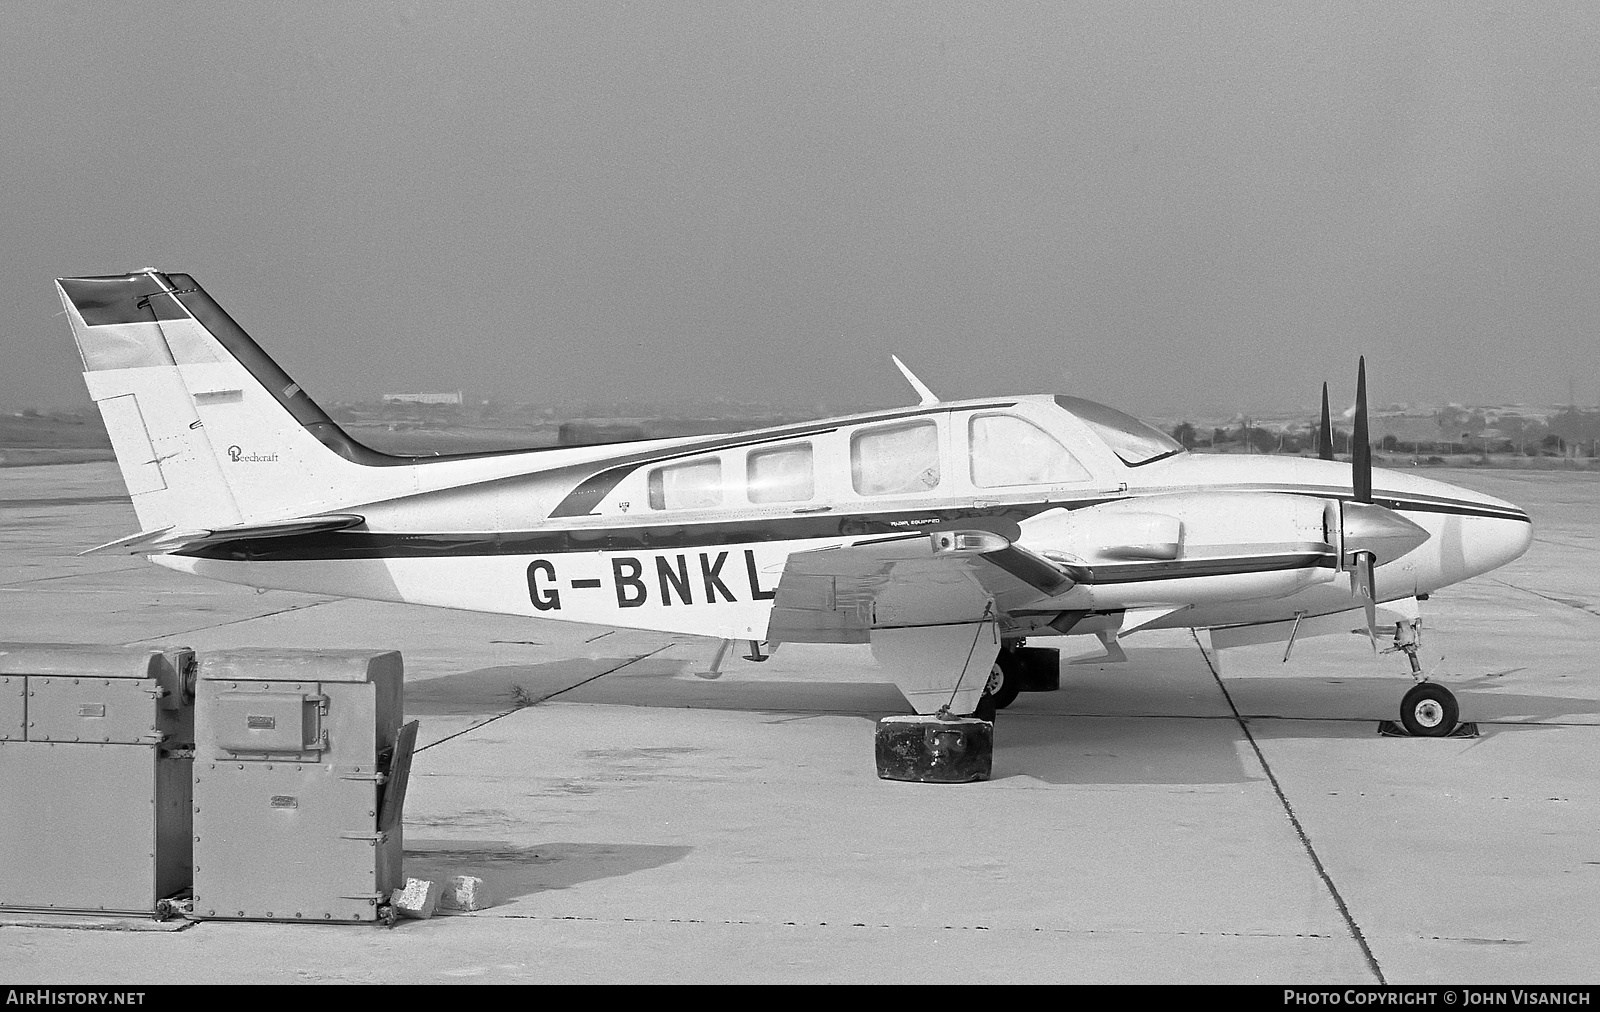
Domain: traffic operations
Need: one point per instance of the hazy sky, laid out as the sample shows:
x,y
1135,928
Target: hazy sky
x,y
1172,208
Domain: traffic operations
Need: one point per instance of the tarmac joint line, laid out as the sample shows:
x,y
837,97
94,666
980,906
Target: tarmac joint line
x,y
1030,929
26,584
524,701
1294,820
1567,602
234,621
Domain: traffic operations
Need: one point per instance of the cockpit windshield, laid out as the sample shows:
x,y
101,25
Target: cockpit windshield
x,y
1130,439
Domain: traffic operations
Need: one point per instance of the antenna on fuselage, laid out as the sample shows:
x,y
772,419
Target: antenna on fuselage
x,y
927,396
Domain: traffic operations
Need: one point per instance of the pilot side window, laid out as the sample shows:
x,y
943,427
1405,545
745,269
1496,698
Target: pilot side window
x,y
686,486
895,460
1007,450
781,475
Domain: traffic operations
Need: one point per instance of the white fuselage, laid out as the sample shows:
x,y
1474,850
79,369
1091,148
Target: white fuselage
x,y
595,535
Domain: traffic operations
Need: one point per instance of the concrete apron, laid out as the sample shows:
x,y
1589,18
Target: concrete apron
x,y
641,824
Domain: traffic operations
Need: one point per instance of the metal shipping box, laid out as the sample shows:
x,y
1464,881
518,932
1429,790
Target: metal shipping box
x,y
293,755
94,777
935,749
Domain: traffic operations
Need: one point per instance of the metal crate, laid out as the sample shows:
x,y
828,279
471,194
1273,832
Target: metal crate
x,y
95,746
299,776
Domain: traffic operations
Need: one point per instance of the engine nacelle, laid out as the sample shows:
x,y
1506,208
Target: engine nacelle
x,y
1188,548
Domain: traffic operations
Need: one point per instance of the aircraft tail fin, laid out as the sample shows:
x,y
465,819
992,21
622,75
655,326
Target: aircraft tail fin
x,y
209,432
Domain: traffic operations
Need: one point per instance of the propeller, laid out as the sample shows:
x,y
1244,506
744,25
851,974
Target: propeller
x,y
1365,584
1364,534
1364,560
1325,430
1360,447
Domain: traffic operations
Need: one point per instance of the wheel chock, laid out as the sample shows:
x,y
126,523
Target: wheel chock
x,y
1394,729
1039,669
933,749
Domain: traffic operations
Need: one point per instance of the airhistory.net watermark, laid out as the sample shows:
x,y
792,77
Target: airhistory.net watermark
x,y
71,996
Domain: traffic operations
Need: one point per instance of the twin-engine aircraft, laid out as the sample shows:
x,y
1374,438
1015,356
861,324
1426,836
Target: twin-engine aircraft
x,y
944,534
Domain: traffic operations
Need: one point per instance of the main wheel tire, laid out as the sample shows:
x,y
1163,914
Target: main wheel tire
x,y
1429,710
985,710
1005,681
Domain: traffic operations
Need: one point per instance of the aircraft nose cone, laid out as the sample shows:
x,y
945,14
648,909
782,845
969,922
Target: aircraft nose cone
x,y
1501,542
1472,545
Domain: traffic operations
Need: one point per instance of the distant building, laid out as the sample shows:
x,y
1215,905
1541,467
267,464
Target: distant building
x,y
1411,430
453,397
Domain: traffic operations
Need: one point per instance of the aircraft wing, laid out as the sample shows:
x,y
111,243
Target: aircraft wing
x,y
841,593
930,604
168,539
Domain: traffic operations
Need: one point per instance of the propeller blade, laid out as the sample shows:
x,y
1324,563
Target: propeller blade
x,y
1325,430
1365,583
1360,446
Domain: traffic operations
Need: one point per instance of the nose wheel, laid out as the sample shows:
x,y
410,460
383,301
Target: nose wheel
x,y
1429,710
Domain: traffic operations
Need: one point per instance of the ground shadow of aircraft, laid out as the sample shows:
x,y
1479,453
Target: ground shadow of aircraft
x,y
517,870
650,683
1159,718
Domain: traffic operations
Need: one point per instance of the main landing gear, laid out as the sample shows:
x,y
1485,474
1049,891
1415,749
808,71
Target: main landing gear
x,y
1428,709
1019,669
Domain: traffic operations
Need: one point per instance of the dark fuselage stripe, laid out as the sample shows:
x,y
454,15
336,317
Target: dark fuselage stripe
x,y
334,545
375,545
1459,509
1413,503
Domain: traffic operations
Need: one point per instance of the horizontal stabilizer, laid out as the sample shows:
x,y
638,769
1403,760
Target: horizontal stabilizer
x,y
166,539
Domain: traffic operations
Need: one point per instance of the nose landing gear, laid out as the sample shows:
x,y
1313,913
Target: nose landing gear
x,y
1428,709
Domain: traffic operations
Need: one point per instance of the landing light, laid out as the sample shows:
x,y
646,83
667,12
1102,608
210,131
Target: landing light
x,y
964,542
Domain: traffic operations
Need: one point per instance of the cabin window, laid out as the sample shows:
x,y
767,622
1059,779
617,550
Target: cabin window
x,y
687,486
1007,450
780,475
895,460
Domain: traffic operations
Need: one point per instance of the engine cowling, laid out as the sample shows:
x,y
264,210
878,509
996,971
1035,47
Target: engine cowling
x,y
1193,547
